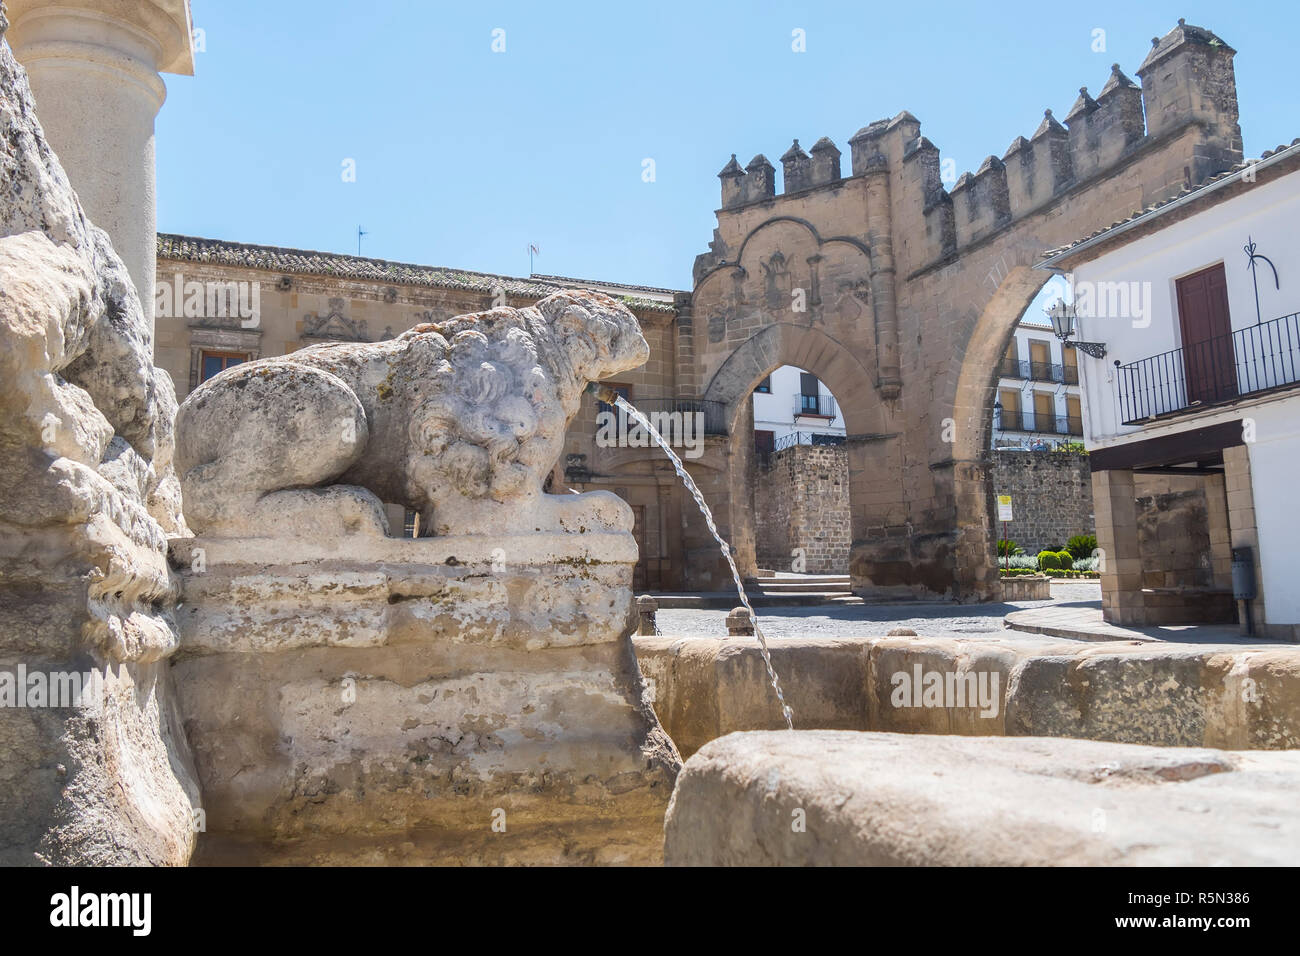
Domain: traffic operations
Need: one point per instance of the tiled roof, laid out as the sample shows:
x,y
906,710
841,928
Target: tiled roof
x,y
309,262
1292,148
569,282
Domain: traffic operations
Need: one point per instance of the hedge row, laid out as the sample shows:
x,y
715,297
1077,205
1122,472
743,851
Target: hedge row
x,y
1053,573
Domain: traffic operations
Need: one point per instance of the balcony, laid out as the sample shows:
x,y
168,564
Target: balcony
x,y
1026,421
1258,358
1038,371
806,438
1008,420
714,413
1013,368
1046,372
814,406
1066,425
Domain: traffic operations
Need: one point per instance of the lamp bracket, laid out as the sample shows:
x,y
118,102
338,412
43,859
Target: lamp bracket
x,y
1096,349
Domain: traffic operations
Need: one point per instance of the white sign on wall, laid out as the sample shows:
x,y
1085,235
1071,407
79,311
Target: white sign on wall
x,y
1004,508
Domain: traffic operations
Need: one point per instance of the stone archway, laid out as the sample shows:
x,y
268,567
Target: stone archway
x,y
815,351
732,466
972,415
913,288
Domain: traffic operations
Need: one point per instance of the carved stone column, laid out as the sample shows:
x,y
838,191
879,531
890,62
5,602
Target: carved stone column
x,y
684,342
94,68
881,242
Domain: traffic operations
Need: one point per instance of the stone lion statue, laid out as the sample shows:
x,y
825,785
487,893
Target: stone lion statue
x,y
460,420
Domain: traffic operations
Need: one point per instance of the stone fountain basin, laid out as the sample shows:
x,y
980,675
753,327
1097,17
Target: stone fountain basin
x,y
381,700
795,798
1239,697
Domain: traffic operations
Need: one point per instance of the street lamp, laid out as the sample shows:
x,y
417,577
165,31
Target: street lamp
x,y
1063,317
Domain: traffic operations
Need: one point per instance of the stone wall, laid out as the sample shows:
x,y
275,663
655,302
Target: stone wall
x,y
1235,696
801,500
1173,533
1051,496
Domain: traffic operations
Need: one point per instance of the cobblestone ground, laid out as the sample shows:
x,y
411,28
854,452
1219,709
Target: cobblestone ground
x,y
928,620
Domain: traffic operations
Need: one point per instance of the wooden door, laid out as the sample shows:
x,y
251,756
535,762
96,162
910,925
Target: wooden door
x,y
1073,415
1011,361
1070,363
1044,412
1208,355
809,390
1011,411
1040,362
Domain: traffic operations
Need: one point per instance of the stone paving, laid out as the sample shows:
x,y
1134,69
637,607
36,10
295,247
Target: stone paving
x,y
1083,622
874,620
1074,613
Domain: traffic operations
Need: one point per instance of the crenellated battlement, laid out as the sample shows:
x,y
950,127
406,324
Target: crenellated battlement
x,y
799,171
1187,80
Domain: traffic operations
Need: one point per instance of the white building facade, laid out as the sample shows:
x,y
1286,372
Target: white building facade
x,y
1038,405
792,406
1192,418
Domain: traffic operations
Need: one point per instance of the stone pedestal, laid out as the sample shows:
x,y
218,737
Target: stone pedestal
x,y
94,68
1027,587
459,699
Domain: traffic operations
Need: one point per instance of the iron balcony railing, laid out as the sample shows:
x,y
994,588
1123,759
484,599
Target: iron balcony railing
x,y
1026,421
823,406
715,417
1013,368
1065,425
1254,359
1045,372
1038,371
806,438
1012,421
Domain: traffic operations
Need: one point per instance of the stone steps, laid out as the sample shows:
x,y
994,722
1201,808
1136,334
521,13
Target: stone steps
x,y
770,590
815,588
726,600
775,585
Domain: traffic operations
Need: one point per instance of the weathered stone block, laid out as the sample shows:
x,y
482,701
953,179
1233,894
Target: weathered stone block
x,y
375,699
102,778
804,798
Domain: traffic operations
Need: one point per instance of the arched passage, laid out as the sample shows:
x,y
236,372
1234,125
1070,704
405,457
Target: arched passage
x,y
788,343
731,469
976,565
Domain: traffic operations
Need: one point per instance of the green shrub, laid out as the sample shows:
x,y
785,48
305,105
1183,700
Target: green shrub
x,y
1048,560
1065,559
1085,564
1015,572
1082,545
1009,548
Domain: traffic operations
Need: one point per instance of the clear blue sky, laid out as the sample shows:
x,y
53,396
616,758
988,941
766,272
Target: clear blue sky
x,y
465,156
